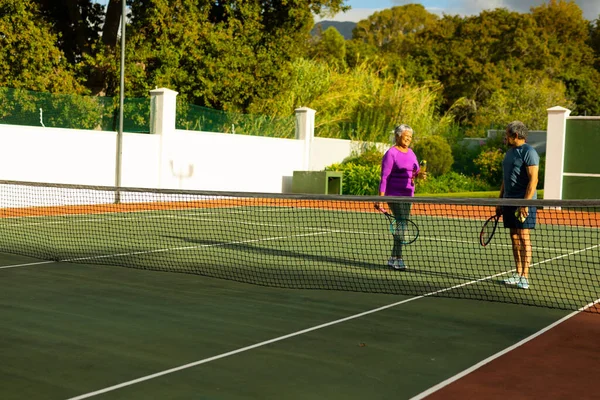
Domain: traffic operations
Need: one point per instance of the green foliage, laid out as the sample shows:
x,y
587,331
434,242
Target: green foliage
x,y
359,179
437,152
330,47
192,117
223,55
525,101
360,104
23,107
385,29
404,65
451,182
29,57
464,155
489,163
369,157
493,53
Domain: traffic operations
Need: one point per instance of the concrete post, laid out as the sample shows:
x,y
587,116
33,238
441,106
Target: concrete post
x,y
555,152
305,130
163,110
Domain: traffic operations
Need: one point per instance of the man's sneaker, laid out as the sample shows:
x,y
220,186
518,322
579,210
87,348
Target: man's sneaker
x,y
400,266
513,280
396,263
523,283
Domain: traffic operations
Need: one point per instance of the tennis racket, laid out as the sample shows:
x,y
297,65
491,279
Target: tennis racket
x,y
403,229
488,230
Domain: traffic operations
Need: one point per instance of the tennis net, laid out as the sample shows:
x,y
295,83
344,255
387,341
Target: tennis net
x,y
309,241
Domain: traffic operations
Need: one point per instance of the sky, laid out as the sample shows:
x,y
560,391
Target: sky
x,y
361,9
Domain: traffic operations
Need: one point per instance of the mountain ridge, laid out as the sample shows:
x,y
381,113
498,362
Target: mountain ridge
x,y
344,28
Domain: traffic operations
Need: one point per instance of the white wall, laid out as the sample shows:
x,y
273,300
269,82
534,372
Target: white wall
x,y
176,160
168,158
227,162
57,155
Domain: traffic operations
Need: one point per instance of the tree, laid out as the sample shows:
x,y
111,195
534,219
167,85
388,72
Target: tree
x,y
88,38
385,29
526,101
330,46
568,37
223,55
29,58
77,23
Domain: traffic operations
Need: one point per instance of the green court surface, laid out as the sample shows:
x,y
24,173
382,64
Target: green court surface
x,y
273,302
71,329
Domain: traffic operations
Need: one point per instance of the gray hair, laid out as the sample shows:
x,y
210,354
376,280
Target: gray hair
x,y
402,128
517,128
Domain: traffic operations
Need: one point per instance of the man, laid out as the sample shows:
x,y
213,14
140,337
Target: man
x,y
520,169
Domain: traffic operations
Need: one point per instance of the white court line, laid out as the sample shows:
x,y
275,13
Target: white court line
x,y
266,342
480,364
26,265
301,332
195,247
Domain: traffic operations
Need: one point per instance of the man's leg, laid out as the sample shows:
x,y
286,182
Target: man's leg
x,y
515,238
525,239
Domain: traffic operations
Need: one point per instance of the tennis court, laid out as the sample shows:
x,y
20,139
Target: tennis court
x,y
229,297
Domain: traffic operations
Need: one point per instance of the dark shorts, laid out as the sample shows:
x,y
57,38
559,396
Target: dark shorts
x,y
511,221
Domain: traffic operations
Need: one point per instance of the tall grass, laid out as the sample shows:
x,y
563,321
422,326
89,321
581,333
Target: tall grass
x,y
358,104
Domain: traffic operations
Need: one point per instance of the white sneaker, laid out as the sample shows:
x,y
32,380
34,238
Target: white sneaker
x,y
396,263
400,266
523,283
513,280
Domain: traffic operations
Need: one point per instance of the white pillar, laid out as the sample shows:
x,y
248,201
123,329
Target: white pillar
x,y
305,130
163,110
555,152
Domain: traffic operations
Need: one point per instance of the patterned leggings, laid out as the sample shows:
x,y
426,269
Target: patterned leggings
x,y
400,211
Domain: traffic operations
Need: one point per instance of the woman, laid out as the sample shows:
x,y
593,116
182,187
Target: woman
x,y
399,169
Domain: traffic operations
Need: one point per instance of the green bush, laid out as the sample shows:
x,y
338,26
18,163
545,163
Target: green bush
x,y
369,157
489,163
437,152
452,182
359,179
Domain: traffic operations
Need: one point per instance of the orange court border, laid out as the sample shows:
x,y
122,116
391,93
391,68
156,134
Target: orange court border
x,y
555,217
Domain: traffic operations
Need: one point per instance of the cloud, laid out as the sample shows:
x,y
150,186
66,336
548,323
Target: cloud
x,y
354,15
590,8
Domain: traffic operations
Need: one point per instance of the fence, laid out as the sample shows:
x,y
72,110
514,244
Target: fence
x,y
167,157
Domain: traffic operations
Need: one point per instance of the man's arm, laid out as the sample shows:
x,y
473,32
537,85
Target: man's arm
x,y
499,208
532,173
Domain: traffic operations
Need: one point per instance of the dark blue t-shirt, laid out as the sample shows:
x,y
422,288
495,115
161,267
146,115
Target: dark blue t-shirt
x,y
514,168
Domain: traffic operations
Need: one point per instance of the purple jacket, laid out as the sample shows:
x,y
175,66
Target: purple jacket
x,y
398,171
